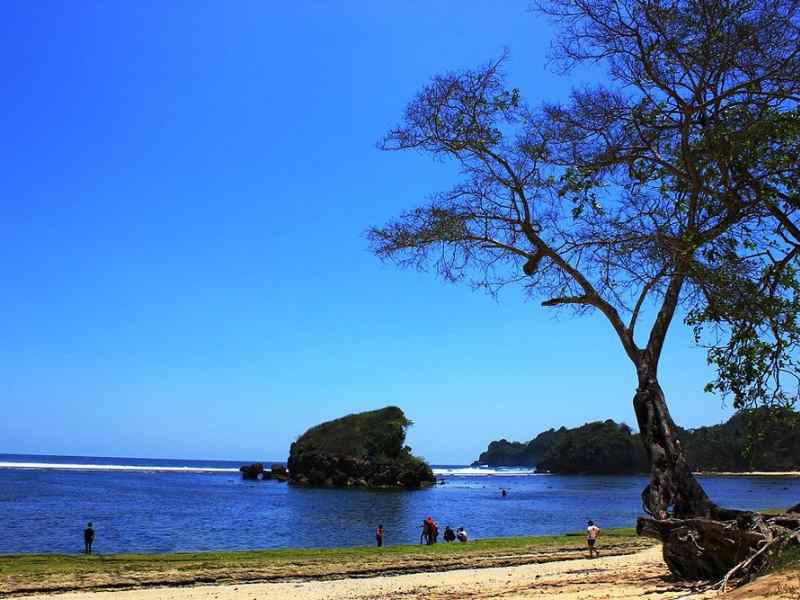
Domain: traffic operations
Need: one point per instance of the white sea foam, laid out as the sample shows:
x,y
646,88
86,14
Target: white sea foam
x,y
144,468
438,471
481,472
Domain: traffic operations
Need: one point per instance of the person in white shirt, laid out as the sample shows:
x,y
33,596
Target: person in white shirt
x,y
592,533
461,535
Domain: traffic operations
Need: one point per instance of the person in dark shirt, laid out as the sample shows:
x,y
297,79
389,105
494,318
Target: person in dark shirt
x,y
379,535
88,539
449,534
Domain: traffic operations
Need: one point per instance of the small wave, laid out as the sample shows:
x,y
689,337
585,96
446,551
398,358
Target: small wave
x,y
141,468
482,472
437,471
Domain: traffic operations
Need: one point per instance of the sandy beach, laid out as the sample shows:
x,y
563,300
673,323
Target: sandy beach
x,y
639,575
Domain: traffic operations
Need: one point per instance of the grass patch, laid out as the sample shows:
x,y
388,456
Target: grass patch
x,y
58,572
788,560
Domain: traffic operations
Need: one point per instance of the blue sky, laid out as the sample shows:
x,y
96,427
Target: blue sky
x,y
186,187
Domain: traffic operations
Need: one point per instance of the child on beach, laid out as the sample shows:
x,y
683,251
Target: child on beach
x,y
592,532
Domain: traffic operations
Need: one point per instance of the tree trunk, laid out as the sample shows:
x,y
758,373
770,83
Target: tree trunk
x,y
672,488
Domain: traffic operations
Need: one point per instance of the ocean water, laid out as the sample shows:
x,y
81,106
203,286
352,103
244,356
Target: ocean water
x,y
148,505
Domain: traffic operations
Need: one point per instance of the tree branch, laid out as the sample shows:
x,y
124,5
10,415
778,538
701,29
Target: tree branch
x,y
567,300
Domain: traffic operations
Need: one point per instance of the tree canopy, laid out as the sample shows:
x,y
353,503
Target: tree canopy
x,y
672,184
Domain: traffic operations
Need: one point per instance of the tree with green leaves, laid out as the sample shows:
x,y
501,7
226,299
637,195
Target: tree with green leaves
x,y
630,200
749,319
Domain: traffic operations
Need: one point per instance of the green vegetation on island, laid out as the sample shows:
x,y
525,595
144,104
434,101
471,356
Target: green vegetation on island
x,y
765,439
754,440
600,447
360,450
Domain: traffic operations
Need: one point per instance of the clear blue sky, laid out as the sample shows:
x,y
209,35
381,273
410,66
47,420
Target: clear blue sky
x,y
186,187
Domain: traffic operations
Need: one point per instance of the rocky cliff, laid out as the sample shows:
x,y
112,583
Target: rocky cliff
x,y
360,450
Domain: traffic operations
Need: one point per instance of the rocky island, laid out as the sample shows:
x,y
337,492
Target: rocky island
x,y
360,450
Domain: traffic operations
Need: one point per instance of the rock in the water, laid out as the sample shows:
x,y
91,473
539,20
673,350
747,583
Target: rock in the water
x,y
252,471
360,450
256,471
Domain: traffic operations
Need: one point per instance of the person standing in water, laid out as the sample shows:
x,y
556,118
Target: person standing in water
x,y
592,533
88,539
379,535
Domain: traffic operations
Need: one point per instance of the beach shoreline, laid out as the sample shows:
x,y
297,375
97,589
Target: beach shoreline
x,y
626,576
515,567
25,574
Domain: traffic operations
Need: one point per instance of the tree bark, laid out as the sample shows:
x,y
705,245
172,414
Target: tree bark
x,y
673,490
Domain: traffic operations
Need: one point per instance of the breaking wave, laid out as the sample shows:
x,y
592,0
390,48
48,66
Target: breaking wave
x,y
482,472
438,471
139,468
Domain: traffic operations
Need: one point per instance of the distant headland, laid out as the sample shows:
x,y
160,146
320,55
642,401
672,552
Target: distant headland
x,y
760,440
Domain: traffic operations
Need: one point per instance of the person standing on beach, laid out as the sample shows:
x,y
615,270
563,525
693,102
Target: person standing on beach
x,y
379,535
592,533
428,530
88,539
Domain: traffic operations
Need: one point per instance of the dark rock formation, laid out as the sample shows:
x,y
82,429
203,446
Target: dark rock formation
x,y
360,450
256,471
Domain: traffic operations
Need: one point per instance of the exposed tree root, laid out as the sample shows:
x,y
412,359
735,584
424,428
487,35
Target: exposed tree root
x,y
731,552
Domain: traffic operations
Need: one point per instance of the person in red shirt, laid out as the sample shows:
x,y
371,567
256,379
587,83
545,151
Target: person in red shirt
x,y
428,530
